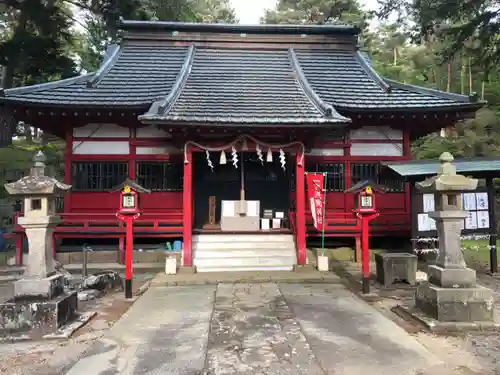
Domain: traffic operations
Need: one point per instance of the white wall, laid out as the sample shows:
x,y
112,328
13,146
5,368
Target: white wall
x,y
101,147
101,131
159,150
377,149
376,133
151,131
326,152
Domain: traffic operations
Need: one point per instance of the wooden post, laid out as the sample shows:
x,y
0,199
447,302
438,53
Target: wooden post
x,y
187,204
300,211
212,207
493,225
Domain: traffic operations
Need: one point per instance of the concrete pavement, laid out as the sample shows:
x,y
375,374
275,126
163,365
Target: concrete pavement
x,y
256,329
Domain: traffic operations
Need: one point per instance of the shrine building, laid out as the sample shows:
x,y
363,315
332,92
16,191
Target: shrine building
x,y
221,123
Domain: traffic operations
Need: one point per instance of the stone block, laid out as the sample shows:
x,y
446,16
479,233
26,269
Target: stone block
x,y
455,304
396,267
33,318
45,288
323,263
452,277
170,265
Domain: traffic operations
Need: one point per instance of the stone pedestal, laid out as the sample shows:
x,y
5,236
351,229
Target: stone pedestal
x,y
35,318
455,304
323,263
39,230
43,288
396,267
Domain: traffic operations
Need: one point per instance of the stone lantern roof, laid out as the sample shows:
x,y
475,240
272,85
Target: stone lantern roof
x,y
37,183
447,178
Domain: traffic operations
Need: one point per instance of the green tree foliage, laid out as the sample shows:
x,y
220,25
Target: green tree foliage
x,y
102,19
35,32
470,26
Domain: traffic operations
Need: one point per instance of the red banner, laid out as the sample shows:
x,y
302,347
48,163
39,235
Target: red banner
x,y
316,197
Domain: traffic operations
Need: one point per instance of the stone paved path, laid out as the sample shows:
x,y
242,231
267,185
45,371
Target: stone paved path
x,y
256,329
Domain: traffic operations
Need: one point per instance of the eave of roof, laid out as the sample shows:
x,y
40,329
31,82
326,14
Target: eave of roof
x,y
413,169
327,29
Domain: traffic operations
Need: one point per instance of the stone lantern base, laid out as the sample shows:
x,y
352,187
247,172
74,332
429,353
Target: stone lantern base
x,y
37,318
465,305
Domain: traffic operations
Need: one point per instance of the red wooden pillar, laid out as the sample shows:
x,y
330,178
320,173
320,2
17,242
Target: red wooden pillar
x,y
300,209
187,208
68,155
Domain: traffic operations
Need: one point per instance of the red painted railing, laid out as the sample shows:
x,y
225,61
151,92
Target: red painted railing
x,y
92,224
342,224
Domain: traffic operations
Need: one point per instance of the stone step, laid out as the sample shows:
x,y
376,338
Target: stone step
x,y
242,238
243,269
242,245
251,263
243,253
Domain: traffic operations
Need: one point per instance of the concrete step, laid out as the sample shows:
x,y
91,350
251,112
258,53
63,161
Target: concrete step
x,y
246,262
243,253
242,245
242,238
243,269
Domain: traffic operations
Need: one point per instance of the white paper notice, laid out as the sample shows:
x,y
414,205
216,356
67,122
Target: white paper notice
x,y
265,223
253,208
428,202
482,201
424,223
471,221
469,201
483,219
432,224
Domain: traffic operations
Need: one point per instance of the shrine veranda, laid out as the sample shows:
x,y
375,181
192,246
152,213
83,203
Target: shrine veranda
x,y
202,114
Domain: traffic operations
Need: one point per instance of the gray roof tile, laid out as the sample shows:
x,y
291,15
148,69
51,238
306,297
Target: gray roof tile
x,y
242,86
340,78
140,75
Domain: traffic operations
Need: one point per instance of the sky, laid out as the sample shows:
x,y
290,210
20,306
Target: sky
x,y
250,11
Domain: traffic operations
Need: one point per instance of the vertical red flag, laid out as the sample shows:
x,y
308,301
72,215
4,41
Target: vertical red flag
x,y
316,197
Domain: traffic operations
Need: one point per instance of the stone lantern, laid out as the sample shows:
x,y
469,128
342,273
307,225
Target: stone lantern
x,y
451,294
39,221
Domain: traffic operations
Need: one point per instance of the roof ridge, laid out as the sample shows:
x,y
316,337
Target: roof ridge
x,y
161,107
428,91
326,109
176,90
106,65
372,73
327,29
48,85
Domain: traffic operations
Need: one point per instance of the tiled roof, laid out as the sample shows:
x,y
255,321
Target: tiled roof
x,y
347,81
139,75
243,86
414,169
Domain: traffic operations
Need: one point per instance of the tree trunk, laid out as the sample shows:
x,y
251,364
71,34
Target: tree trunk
x,y
470,76
462,76
7,121
448,84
